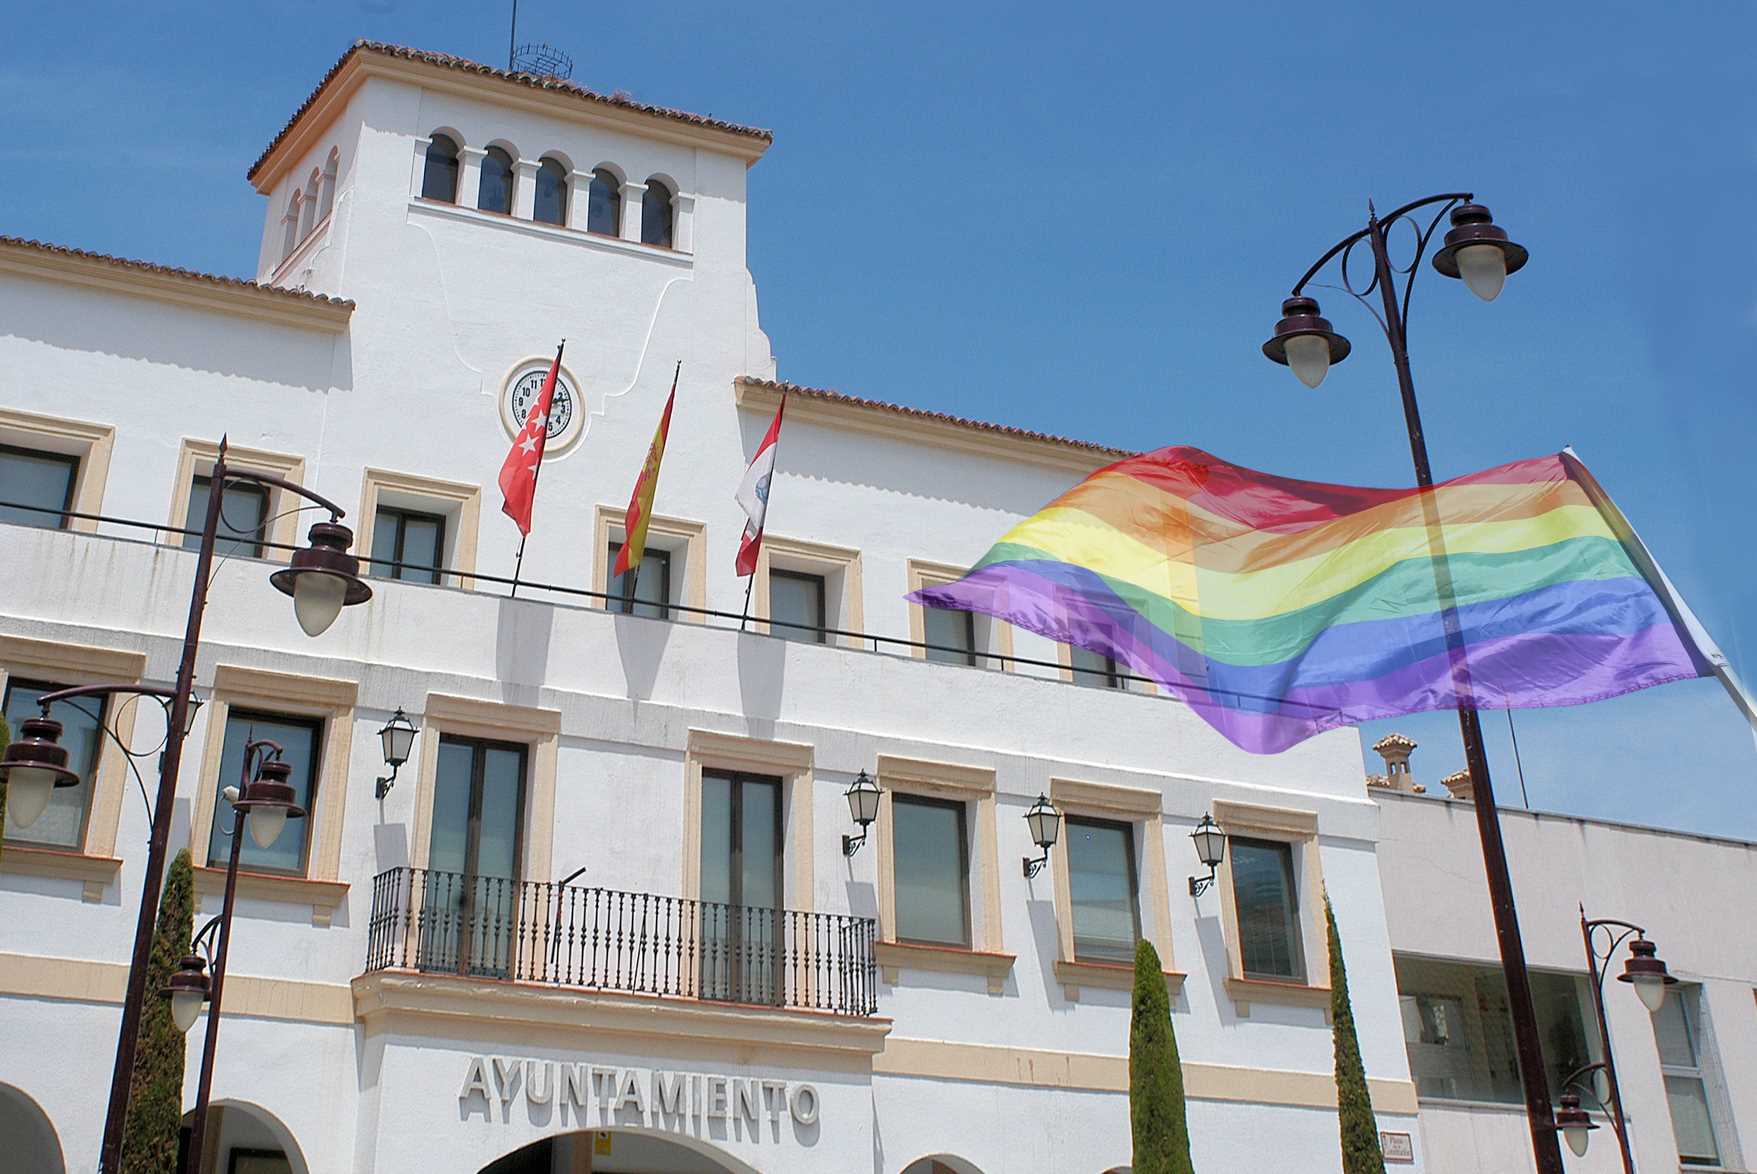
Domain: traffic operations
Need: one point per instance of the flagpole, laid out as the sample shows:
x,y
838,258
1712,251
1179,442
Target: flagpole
x,y
536,475
750,582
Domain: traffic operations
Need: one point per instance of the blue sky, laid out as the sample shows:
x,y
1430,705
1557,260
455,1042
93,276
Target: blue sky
x,y
1082,220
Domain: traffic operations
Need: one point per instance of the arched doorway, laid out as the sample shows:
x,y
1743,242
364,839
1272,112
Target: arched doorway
x,y
940,1164
30,1138
242,1138
617,1151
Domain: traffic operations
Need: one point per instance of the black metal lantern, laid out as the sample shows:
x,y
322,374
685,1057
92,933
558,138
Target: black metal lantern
x,y
863,804
1045,824
187,990
1304,342
1647,974
1209,839
1574,1123
1477,250
268,802
323,578
398,737
34,766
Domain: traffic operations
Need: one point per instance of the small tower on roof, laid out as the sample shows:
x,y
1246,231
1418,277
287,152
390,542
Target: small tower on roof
x,y
1395,749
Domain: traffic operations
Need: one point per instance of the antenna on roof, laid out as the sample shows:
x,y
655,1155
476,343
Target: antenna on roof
x,y
543,61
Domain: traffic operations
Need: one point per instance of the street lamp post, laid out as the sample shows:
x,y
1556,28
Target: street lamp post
x,y
322,578
1476,250
265,805
1647,974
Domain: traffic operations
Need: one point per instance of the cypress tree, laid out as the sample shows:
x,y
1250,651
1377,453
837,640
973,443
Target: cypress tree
x,y
155,1098
5,741
1157,1121
1360,1130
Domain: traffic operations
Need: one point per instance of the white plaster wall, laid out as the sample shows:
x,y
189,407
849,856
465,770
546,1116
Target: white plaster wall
x,y
1687,890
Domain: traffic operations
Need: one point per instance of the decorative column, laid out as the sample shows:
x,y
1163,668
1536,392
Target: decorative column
x,y
470,176
524,189
632,195
579,199
683,223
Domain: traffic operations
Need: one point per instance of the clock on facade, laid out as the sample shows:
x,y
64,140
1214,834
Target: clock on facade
x,y
522,392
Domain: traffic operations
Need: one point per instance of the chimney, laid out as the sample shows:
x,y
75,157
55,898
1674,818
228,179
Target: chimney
x,y
1395,749
1459,784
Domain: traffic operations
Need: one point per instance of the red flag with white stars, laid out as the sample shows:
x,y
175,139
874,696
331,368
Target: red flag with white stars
x,y
518,475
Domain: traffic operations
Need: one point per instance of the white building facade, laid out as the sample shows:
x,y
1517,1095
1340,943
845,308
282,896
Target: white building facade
x,y
716,985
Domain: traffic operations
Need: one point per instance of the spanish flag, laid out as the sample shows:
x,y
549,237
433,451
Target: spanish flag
x,y
640,503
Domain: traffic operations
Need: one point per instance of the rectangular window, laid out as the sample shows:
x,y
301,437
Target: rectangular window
x,y
1459,1031
474,854
301,742
35,487
1267,902
1094,669
950,635
931,870
62,823
740,915
796,599
646,593
406,545
243,515
1677,1030
1101,884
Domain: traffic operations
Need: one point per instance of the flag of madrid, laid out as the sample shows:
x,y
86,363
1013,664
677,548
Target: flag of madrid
x,y
753,494
518,474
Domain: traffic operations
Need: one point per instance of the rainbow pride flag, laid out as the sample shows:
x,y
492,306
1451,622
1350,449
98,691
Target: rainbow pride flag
x,y
1280,608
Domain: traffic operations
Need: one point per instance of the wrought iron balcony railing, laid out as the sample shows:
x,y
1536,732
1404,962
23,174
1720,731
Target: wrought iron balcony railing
x,y
607,940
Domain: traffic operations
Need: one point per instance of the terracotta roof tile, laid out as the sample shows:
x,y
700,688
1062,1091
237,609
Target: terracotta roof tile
x,y
535,82
827,396
18,242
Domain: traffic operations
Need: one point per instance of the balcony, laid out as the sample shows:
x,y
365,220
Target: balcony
x,y
607,941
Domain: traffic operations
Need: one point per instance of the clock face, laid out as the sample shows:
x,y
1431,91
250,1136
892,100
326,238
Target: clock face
x,y
528,386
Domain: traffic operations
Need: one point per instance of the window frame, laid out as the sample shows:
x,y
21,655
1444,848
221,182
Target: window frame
x,y
402,514
960,810
1290,916
10,681
669,203
482,177
678,537
452,500
840,568
319,727
614,201
87,442
1689,1001
1127,828
1299,828
191,536
1114,675
563,194
198,456
796,633
457,167
63,522
625,600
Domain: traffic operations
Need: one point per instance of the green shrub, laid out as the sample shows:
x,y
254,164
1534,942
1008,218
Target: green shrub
x,y
1354,1107
1157,1121
155,1098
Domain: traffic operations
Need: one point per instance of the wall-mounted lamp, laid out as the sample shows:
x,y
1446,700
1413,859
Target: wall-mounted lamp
x,y
863,805
398,737
1045,823
1210,841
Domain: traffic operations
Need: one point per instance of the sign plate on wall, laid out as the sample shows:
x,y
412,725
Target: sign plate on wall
x,y
1397,1147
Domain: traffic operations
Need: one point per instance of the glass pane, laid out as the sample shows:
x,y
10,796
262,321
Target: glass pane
x,y
551,194
604,205
797,599
929,866
449,841
656,215
439,181
1690,1121
241,518
652,586
35,479
62,823
955,634
1268,910
503,781
386,525
423,537
1673,1032
495,192
1100,669
716,882
1101,882
1459,1032
759,805
299,746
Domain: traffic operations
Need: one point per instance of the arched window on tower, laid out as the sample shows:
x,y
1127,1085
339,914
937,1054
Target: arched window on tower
x,y
290,227
551,202
439,180
327,198
656,214
495,194
308,217
604,204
